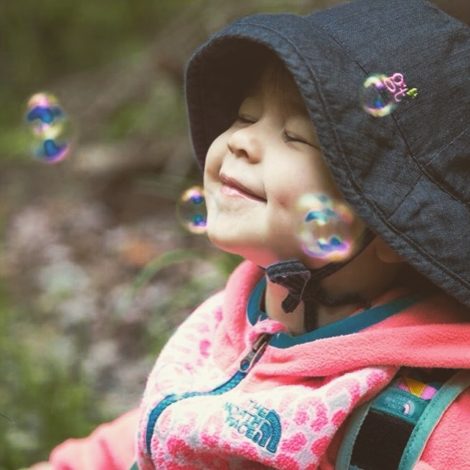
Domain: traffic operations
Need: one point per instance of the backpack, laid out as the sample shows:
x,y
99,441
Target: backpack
x,y
390,431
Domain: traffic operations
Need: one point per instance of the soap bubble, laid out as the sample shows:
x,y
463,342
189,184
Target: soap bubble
x,y
50,128
51,151
377,99
192,211
327,228
45,116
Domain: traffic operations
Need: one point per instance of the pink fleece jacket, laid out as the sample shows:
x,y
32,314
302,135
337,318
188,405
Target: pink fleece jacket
x,y
287,411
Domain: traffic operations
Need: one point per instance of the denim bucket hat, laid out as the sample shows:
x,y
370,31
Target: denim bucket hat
x,y
407,173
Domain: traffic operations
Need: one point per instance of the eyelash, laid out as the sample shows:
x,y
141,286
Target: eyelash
x,y
286,135
292,138
245,119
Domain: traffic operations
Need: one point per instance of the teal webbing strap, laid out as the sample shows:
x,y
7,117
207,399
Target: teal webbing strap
x,y
134,466
392,401
343,459
449,391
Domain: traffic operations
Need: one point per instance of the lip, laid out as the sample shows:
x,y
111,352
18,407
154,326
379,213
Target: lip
x,y
233,187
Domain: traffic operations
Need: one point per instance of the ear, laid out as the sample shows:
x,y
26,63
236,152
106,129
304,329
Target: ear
x,y
385,253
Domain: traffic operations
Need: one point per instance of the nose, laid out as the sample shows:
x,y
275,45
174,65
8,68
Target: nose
x,y
246,143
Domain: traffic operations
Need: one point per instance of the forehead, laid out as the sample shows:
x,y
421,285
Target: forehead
x,y
275,83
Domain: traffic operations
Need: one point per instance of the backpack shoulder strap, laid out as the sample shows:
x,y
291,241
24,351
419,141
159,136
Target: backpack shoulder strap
x,y
431,416
390,431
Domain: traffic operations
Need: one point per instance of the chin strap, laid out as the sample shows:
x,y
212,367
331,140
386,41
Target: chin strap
x,y
303,284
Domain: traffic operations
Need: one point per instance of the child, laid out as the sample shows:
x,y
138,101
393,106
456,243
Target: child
x,y
281,369
266,374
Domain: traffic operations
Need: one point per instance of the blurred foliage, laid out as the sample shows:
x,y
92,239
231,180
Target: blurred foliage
x,y
45,44
48,40
41,394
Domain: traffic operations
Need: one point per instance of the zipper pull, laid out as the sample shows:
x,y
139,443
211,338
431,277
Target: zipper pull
x,y
255,353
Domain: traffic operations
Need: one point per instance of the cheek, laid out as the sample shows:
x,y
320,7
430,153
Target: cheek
x,y
215,155
212,164
293,178
212,167
281,208
287,185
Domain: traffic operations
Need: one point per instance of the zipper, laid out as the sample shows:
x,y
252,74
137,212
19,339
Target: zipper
x,y
246,364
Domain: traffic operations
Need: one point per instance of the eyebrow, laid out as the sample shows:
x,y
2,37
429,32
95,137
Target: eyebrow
x,y
297,106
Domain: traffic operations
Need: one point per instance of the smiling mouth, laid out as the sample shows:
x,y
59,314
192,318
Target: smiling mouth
x,y
232,187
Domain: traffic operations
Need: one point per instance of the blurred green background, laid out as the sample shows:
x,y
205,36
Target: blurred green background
x,y
95,270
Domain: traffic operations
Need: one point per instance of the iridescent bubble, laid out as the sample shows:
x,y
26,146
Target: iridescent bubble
x,y
192,211
44,115
377,98
51,151
50,128
327,228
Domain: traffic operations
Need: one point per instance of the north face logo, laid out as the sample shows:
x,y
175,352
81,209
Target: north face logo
x,y
261,425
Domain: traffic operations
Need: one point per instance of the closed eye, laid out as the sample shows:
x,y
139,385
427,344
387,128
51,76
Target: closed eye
x,y
289,137
245,119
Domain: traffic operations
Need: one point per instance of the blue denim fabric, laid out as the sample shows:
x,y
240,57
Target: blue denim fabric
x,y
406,174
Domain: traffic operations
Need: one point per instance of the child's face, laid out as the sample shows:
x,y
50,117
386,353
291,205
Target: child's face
x,y
258,168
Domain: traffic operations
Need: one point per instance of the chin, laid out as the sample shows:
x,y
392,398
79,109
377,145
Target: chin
x,y
258,256
222,242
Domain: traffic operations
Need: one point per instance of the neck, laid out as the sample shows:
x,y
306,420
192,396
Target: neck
x,y
375,278
295,321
